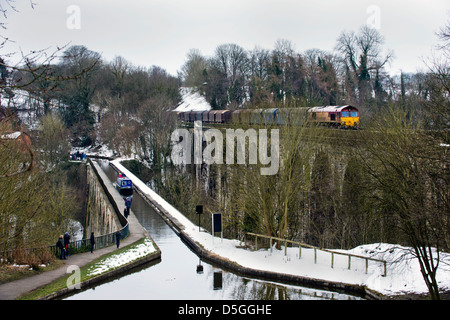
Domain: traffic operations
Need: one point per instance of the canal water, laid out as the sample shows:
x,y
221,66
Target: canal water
x,y
176,276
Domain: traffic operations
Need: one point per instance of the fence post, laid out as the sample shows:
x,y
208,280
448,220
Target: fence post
x,y
332,260
349,262
285,248
367,264
384,268
299,250
315,255
256,242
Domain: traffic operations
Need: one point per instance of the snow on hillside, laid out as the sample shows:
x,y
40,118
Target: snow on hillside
x,y
27,106
191,100
403,272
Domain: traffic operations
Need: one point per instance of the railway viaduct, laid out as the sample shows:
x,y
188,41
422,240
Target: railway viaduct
x,y
338,145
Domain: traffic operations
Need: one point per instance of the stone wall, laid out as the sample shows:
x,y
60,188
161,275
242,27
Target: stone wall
x,y
101,217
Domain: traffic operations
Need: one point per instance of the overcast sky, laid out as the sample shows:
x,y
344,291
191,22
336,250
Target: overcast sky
x,y
161,32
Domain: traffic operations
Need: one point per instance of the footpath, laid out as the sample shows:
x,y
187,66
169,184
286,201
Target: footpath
x,y
14,289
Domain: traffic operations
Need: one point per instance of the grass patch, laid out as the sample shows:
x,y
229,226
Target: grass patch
x,y
87,270
10,272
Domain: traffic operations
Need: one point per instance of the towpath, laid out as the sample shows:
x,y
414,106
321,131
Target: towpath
x,y
14,289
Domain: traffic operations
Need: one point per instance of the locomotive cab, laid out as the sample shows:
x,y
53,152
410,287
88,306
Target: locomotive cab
x,y
349,117
341,116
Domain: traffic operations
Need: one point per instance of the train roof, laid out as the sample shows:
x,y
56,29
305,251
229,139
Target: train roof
x,y
332,108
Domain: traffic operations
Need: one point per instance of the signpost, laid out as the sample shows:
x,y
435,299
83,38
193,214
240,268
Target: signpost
x,y
199,211
217,225
199,266
217,282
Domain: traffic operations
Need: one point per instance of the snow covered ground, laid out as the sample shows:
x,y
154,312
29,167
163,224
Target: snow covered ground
x,y
123,258
192,101
403,272
26,104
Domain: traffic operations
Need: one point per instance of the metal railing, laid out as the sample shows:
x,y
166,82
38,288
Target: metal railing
x,y
304,245
84,245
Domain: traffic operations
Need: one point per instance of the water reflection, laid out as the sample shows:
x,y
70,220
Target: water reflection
x,y
178,275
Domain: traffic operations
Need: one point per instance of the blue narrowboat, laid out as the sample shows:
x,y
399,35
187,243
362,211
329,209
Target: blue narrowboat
x,y
124,185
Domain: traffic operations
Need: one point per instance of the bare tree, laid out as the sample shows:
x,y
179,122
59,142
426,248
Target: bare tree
x,y
157,124
444,37
27,196
232,61
277,205
194,70
409,167
363,60
53,140
78,91
119,68
259,64
31,199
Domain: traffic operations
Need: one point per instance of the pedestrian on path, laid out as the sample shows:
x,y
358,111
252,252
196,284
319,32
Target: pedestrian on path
x,y
118,236
127,206
92,240
66,243
60,245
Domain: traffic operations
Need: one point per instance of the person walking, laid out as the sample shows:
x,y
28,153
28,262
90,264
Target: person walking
x,y
60,245
127,206
66,243
92,240
118,236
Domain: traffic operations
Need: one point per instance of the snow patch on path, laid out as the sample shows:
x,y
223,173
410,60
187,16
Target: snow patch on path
x,y
120,259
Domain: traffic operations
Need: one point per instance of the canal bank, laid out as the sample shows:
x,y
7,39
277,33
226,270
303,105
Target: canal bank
x,y
127,259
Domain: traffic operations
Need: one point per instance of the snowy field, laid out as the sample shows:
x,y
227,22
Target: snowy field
x,y
403,272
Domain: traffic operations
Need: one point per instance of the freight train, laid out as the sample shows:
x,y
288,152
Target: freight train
x,y
336,116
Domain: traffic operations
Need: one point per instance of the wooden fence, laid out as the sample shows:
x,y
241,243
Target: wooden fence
x,y
304,245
